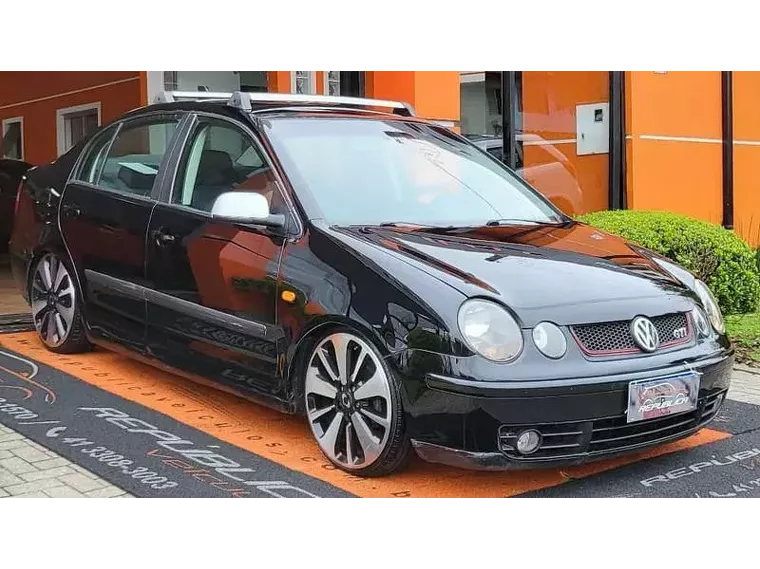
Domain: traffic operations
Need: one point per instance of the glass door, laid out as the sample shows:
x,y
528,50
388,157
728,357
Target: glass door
x,y
560,128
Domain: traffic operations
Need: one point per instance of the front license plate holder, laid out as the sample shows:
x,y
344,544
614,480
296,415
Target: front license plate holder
x,y
662,396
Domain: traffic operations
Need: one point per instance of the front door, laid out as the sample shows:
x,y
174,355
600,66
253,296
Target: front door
x,y
105,210
211,303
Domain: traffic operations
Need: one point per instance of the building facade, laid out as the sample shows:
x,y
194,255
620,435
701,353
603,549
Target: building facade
x,y
589,140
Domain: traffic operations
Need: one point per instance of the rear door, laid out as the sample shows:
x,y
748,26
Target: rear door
x,y
104,215
211,307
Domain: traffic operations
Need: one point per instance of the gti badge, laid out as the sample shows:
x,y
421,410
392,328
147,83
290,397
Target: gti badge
x,y
645,334
680,333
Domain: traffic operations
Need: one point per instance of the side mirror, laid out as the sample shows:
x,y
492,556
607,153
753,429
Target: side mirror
x,y
245,207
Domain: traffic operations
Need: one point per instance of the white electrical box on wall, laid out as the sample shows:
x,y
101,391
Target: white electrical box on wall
x,y
592,128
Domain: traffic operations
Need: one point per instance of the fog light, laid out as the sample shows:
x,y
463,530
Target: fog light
x,y
528,442
550,340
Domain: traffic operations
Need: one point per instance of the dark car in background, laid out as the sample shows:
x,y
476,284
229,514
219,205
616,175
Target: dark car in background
x,y
379,274
11,172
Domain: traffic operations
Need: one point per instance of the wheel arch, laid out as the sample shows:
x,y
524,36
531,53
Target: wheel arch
x,y
56,248
300,349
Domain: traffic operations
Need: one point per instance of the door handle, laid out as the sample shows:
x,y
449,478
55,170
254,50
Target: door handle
x,y
164,239
71,210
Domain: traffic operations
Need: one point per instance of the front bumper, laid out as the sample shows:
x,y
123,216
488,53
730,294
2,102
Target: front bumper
x,y
473,425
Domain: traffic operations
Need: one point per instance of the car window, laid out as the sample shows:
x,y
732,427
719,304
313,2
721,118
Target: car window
x,y
92,163
223,158
368,171
130,164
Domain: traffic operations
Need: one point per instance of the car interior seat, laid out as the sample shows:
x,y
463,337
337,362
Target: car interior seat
x,y
216,175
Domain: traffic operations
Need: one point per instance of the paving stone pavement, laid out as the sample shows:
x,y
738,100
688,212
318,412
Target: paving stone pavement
x,y
29,470
745,385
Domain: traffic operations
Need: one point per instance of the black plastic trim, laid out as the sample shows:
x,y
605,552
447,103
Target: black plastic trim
x,y
727,122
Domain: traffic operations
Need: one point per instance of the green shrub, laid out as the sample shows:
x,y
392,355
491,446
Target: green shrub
x,y
714,254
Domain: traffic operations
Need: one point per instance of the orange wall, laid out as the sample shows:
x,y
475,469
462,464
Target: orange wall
x,y
36,95
549,101
278,81
434,94
675,175
747,155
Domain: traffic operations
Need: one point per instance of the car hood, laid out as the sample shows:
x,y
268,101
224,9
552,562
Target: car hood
x,y
569,273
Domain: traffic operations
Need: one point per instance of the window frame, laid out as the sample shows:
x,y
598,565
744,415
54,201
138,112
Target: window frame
x,y
154,196
5,127
184,146
326,86
60,122
312,82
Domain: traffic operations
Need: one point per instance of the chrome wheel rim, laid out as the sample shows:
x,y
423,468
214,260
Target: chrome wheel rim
x,y
53,301
348,401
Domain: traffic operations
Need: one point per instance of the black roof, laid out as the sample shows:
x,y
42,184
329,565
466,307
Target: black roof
x,y
219,107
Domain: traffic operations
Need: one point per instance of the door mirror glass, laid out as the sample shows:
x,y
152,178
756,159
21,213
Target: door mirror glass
x,y
245,207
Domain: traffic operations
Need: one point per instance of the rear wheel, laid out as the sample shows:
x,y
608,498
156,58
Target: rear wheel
x,y
55,306
353,405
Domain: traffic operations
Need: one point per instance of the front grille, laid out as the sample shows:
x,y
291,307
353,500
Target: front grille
x,y
615,338
611,435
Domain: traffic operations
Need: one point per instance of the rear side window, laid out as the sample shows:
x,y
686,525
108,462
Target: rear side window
x,y
127,159
131,163
92,165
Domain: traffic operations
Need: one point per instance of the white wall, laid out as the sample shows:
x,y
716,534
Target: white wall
x,y
155,84
473,108
478,111
224,81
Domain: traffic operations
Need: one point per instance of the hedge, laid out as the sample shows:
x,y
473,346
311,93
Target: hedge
x,y
714,254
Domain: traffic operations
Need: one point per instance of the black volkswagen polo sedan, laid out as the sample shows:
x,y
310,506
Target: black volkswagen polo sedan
x,y
375,272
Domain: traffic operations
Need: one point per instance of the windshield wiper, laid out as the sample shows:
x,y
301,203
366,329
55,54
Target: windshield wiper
x,y
442,229
403,224
517,221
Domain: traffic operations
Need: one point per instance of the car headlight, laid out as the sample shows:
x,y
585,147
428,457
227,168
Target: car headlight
x,y
550,340
490,330
711,306
700,321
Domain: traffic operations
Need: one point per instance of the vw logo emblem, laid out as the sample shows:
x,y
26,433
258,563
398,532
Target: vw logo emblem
x,y
645,334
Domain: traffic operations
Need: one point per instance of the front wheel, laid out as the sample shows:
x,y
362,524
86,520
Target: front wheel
x,y
353,405
55,306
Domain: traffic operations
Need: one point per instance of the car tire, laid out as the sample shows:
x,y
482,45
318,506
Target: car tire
x,y
354,409
55,305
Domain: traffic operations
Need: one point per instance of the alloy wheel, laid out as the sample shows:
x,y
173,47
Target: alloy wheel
x,y
53,301
348,401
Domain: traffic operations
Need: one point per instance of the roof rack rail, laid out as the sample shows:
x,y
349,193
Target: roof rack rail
x,y
248,101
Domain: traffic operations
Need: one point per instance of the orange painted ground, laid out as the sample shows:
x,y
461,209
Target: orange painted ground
x,y
286,440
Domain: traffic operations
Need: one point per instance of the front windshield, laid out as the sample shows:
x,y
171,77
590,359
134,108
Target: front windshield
x,y
371,171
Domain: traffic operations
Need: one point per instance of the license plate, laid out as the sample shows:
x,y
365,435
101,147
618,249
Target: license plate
x,y
670,395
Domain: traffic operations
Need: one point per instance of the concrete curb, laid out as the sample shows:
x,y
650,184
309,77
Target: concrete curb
x,y
747,369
